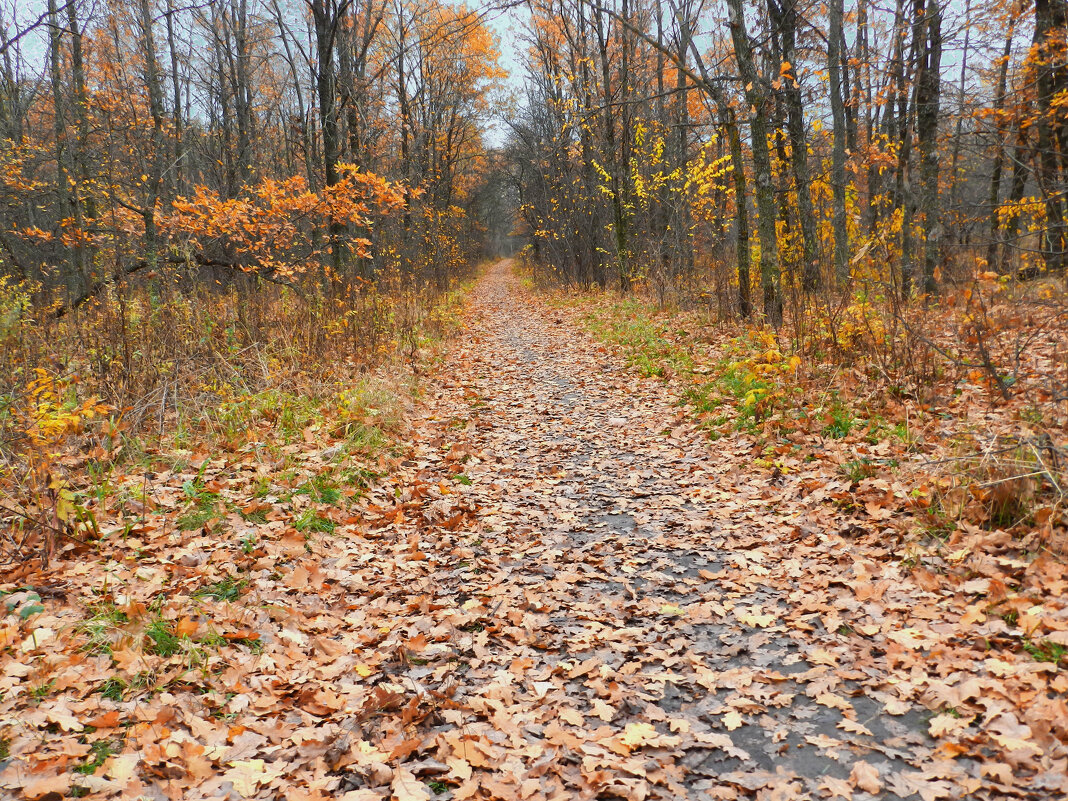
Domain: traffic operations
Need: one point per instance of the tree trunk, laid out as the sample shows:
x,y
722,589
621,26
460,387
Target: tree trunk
x,y
756,97
1017,186
324,16
176,99
838,154
619,214
786,20
954,178
900,125
64,178
84,204
870,120
155,105
242,90
994,197
1051,66
741,222
927,104
683,219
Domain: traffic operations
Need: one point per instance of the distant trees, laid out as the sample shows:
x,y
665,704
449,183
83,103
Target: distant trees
x,y
838,134
139,108
746,148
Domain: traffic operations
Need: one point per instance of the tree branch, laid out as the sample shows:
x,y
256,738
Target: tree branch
x,y
202,261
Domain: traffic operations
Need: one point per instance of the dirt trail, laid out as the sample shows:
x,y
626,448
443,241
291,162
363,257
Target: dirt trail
x,y
640,613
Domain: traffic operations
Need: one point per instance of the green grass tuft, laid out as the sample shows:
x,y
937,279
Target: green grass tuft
x,y
228,589
859,469
841,422
113,688
98,755
162,639
321,490
1046,651
310,521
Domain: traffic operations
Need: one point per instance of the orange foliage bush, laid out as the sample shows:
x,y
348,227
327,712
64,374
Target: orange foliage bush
x,y
276,228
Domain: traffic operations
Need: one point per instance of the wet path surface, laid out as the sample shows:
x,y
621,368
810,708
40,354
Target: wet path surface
x,y
646,616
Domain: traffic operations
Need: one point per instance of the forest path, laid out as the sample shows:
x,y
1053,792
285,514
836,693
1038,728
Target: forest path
x,y
639,613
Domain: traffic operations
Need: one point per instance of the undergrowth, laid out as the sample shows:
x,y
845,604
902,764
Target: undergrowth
x,y
865,383
147,377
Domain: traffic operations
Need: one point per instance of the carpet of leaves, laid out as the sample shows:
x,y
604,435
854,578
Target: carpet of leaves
x,y
561,589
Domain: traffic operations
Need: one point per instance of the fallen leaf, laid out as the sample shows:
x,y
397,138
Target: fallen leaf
x,y
636,734
732,720
406,787
941,725
865,777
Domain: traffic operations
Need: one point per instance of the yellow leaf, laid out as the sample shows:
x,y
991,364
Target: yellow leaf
x,y
909,637
732,720
122,767
754,617
364,670
957,556
942,725
247,776
895,706
821,656
602,710
854,727
38,637
459,768
64,718
1011,744
638,733
572,716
